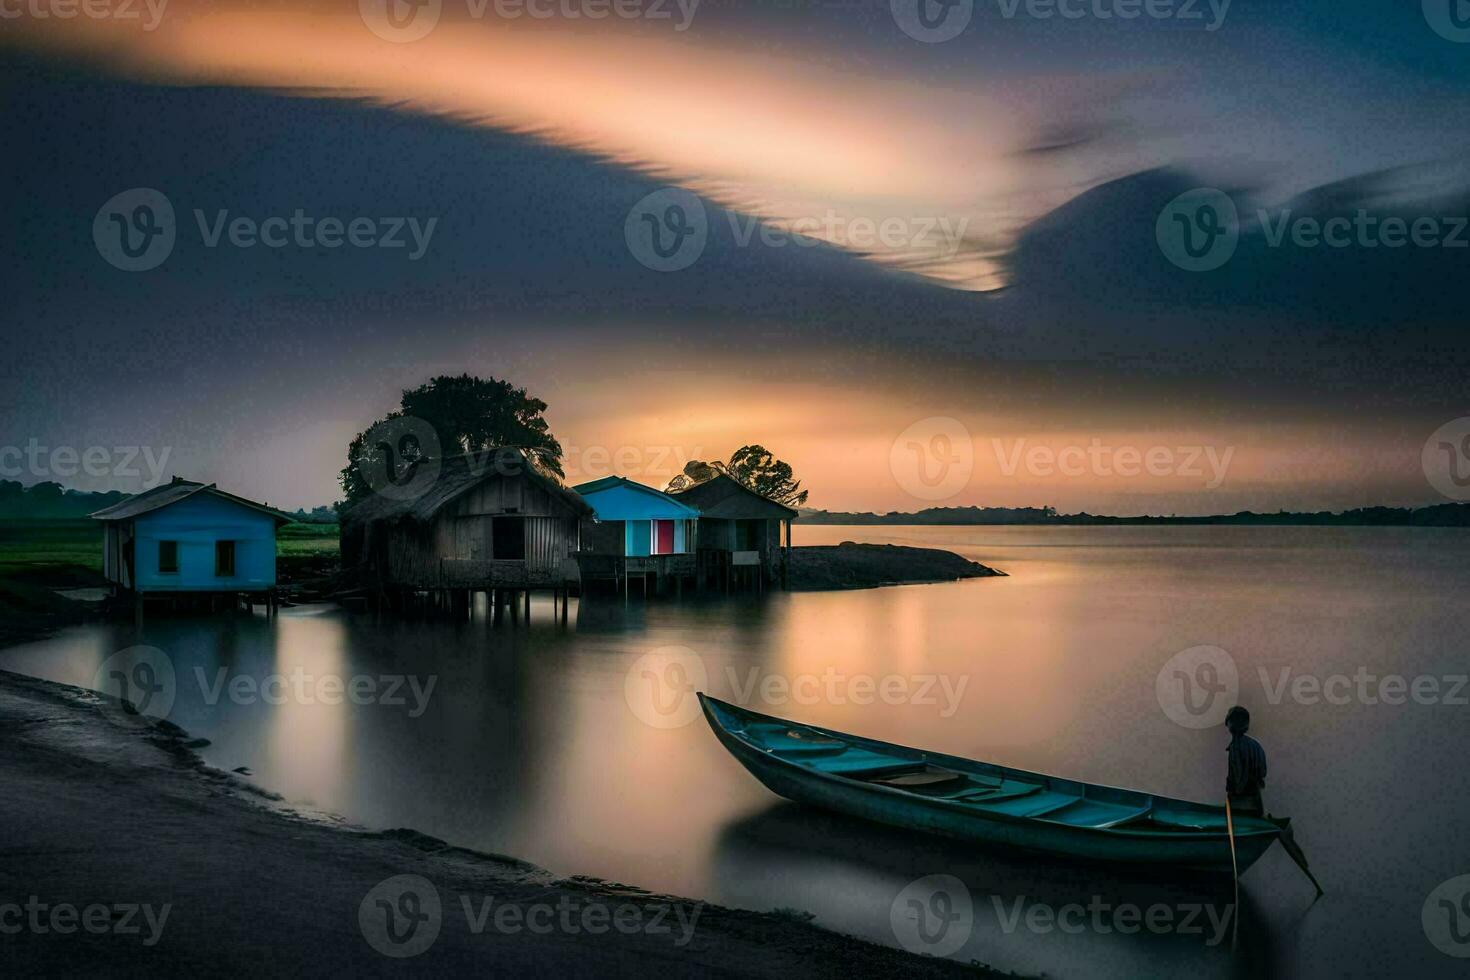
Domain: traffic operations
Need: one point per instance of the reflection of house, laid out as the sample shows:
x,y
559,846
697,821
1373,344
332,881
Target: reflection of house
x,y
189,537
637,531
740,532
480,521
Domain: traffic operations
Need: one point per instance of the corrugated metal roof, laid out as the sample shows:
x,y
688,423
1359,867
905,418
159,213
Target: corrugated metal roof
x,y
172,493
457,475
726,497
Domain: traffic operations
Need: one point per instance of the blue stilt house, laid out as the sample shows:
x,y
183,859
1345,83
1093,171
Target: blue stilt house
x,y
185,537
636,531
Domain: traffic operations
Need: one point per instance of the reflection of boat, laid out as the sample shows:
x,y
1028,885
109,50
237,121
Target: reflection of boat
x,y
978,801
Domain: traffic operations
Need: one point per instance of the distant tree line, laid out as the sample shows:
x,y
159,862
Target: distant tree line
x,y
1437,515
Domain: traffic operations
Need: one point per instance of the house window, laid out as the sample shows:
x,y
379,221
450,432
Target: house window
x,y
224,559
508,539
168,556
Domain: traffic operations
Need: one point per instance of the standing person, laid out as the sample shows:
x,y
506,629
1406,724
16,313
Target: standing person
x,y
1245,778
1245,774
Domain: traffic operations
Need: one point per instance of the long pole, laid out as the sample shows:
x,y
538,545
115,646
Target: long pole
x,y
1235,869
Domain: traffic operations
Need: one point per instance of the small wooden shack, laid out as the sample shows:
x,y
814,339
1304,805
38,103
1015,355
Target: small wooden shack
x,y
638,532
487,521
186,537
741,534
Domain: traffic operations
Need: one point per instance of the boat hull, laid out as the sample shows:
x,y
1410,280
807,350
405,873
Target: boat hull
x,y
1208,852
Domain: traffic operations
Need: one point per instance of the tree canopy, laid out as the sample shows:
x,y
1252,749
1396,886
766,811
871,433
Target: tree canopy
x,y
446,416
754,466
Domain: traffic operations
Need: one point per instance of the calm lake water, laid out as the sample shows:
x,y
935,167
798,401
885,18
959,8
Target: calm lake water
x,y
535,742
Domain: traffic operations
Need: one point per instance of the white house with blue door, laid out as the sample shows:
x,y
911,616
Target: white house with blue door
x,y
634,520
190,537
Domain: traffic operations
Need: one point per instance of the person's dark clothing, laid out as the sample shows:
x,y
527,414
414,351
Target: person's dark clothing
x,y
1246,773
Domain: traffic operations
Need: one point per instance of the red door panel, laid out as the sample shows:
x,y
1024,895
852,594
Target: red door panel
x,y
663,543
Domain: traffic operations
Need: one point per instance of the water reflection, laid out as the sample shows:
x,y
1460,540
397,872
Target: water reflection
x,y
526,745
850,873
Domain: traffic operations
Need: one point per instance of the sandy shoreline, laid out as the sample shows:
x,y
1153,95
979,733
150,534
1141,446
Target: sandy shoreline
x,y
156,861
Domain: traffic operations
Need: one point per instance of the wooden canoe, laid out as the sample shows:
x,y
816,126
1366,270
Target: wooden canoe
x,y
981,802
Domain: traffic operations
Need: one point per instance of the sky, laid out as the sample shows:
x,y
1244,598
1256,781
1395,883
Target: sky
x,y
929,260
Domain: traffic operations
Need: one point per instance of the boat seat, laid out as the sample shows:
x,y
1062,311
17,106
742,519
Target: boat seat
x,y
929,777
995,794
1030,804
1093,813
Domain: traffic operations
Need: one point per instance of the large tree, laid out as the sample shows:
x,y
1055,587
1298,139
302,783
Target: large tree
x,y
447,416
754,466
